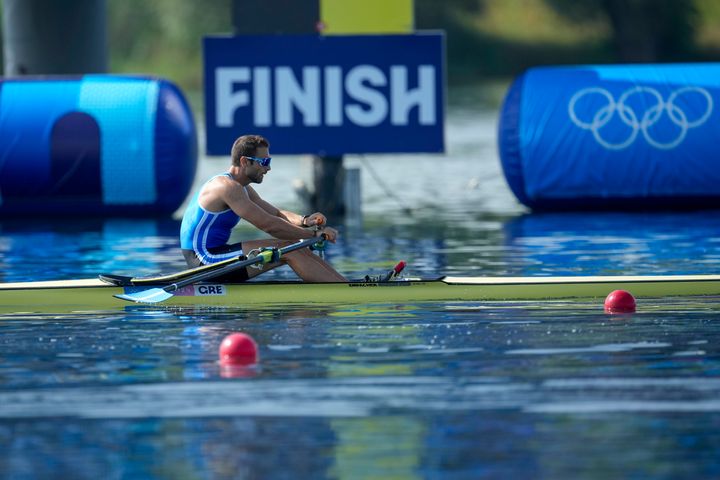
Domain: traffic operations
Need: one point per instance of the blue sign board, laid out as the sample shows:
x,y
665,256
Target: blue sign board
x,y
326,95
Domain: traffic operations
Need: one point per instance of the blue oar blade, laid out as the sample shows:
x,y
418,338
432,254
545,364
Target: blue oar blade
x,y
152,295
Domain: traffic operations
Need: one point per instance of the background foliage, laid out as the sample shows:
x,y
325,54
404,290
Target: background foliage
x,y
486,39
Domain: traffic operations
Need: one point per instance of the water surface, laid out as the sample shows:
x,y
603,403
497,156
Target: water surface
x,y
551,389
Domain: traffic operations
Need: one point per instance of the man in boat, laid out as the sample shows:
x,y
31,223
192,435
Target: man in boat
x,y
226,198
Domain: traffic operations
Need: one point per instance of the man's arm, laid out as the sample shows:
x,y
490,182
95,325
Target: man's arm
x,y
292,217
314,219
262,214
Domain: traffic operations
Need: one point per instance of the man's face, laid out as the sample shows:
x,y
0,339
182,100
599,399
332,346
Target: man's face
x,y
256,172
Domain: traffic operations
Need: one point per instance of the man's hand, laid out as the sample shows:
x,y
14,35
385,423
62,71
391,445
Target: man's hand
x,y
315,219
329,232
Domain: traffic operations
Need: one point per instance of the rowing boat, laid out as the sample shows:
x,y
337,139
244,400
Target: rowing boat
x,y
94,294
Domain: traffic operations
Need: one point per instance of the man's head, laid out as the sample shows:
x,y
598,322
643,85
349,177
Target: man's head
x,y
249,153
247,146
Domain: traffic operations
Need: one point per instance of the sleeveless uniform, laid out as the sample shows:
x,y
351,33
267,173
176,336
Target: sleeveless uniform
x,y
204,236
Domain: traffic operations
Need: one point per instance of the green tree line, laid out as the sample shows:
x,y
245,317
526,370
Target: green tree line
x,y
486,39
489,38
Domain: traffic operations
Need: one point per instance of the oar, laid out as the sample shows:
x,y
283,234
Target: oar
x,y
125,281
156,295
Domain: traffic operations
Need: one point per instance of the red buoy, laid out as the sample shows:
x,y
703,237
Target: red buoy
x,y
620,301
238,349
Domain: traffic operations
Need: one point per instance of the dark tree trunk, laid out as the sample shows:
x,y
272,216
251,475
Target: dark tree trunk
x,y
651,30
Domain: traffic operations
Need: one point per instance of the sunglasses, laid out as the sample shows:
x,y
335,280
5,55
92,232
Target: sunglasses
x,y
265,162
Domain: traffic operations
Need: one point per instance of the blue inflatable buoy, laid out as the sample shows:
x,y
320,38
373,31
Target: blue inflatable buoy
x,y
613,137
105,145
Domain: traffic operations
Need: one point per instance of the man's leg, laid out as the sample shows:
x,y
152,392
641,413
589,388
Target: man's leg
x,y
236,276
307,265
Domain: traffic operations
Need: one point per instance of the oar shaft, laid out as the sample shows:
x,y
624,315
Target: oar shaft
x,y
262,257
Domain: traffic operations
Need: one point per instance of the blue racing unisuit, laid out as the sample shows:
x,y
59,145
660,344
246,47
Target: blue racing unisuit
x,y
202,231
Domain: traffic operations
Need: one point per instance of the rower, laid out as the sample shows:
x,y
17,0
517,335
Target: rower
x,y
226,198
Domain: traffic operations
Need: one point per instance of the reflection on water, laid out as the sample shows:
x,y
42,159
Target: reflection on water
x,y
49,249
464,390
480,245
615,243
444,390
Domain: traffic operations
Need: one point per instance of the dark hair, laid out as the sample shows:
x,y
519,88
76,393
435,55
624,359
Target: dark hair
x,y
246,146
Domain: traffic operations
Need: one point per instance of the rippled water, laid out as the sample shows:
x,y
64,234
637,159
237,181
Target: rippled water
x,y
456,390
443,390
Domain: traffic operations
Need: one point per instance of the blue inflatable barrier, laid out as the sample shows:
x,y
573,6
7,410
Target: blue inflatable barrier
x,y
613,137
94,145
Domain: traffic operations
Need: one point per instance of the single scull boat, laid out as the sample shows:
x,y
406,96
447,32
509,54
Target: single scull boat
x,y
94,294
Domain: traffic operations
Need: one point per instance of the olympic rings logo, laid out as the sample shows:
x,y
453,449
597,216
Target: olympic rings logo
x,y
650,116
